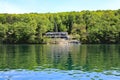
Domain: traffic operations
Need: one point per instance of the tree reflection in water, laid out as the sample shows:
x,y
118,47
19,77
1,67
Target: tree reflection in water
x,y
87,58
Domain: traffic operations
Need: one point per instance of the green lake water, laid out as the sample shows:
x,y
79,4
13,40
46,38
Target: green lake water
x,y
59,62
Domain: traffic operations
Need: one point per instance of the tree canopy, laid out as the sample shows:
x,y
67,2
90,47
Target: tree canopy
x,y
101,26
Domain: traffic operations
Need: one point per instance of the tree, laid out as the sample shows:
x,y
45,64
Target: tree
x,y
3,31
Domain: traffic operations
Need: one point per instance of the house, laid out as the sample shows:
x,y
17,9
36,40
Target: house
x,y
63,35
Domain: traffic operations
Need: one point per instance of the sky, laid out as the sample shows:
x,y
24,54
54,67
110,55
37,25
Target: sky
x,y
53,6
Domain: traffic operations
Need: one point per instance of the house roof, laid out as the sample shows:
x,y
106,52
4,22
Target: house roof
x,y
56,33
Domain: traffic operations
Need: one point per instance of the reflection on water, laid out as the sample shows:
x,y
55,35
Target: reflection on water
x,y
60,62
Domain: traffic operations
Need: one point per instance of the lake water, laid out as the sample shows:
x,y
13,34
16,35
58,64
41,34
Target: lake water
x,y
60,62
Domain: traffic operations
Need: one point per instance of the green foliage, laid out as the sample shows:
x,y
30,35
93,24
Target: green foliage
x,y
3,31
86,26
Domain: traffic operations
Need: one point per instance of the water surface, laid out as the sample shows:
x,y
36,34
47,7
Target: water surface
x,y
59,62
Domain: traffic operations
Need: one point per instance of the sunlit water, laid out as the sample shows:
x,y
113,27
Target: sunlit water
x,y
60,62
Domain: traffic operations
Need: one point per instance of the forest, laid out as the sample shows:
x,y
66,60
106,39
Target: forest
x,y
90,27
